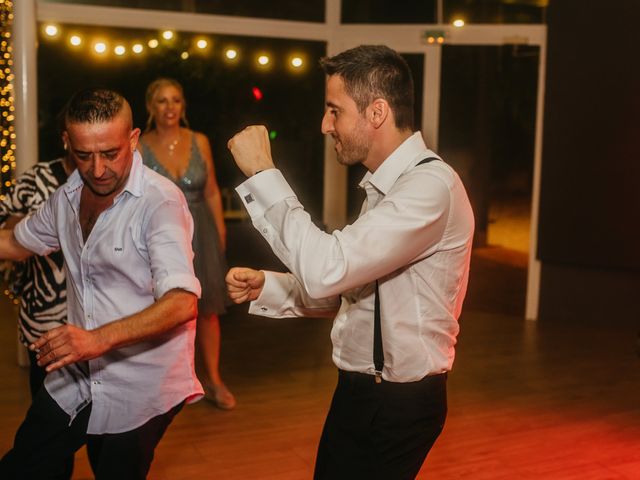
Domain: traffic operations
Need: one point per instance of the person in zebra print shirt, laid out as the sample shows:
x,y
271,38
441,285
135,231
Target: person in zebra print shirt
x,y
39,282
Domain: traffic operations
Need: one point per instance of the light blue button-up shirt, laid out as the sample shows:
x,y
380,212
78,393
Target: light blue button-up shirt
x,y
138,250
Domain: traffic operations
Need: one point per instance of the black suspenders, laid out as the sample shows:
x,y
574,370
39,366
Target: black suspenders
x,y
378,352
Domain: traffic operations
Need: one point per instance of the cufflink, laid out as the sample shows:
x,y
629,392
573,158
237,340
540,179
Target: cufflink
x,y
248,198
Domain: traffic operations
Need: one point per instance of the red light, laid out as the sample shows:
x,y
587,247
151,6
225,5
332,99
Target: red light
x,y
257,93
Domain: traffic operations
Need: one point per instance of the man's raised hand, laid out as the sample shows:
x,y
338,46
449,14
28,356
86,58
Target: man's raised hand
x,y
251,150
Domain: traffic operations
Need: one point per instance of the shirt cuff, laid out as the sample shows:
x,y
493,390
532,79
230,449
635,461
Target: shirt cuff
x,y
182,281
260,192
28,240
275,293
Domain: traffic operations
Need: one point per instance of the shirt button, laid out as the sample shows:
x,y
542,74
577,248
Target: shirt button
x,y
263,309
264,230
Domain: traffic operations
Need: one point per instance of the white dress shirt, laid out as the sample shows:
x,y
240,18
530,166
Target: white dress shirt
x,y
414,235
139,249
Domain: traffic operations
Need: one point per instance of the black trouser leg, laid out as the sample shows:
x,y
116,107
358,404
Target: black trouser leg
x,y
128,455
36,382
380,431
43,439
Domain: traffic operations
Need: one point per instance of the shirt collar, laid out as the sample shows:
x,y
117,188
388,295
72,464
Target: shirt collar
x,y
135,180
133,185
411,151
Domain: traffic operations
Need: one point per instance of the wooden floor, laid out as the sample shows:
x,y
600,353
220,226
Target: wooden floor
x,y
557,399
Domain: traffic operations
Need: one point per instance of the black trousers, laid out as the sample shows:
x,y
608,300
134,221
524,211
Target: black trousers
x,y
45,436
380,431
36,380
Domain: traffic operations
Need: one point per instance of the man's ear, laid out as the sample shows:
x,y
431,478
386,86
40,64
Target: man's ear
x,y
65,141
133,138
378,111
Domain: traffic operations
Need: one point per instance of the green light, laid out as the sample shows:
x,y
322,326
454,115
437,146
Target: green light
x,y
273,134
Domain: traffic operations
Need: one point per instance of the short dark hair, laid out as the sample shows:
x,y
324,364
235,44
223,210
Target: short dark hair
x,y
94,105
375,71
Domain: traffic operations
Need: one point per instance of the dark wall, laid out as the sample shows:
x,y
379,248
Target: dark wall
x,y
590,191
590,196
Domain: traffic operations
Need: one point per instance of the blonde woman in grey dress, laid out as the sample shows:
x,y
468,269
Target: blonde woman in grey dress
x,y
169,147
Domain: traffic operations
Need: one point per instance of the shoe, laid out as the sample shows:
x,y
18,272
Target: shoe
x,y
220,396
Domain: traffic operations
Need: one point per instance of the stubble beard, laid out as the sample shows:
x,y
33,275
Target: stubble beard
x,y
354,149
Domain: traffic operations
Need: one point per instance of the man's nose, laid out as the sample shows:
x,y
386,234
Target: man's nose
x,y
99,166
327,124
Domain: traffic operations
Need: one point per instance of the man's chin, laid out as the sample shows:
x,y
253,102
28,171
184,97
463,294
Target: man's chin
x,y
347,162
101,190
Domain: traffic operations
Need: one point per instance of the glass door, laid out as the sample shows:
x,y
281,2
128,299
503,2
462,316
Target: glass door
x,y
487,131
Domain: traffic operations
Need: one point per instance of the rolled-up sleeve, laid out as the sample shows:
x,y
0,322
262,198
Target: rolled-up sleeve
x,y
168,234
38,231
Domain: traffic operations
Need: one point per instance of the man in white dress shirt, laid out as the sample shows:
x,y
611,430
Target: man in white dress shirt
x,y
405,260
122,367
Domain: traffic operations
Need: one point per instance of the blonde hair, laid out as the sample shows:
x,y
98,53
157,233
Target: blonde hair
x,y
152,90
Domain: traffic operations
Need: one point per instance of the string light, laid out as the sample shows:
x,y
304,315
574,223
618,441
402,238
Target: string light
x,y
7,129
458,22
100,47
198,43
51,30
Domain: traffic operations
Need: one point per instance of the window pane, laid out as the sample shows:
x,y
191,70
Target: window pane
x,y
222,96
495,11
309,10
487,130
385,11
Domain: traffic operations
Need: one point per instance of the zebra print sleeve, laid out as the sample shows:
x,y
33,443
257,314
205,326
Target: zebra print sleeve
x,y
39,282
30,191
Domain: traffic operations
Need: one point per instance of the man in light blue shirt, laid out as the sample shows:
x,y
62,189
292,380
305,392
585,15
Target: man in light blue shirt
x,y
123,366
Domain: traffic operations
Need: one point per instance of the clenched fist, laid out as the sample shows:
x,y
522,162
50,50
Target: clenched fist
x,y
251,150
244,284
